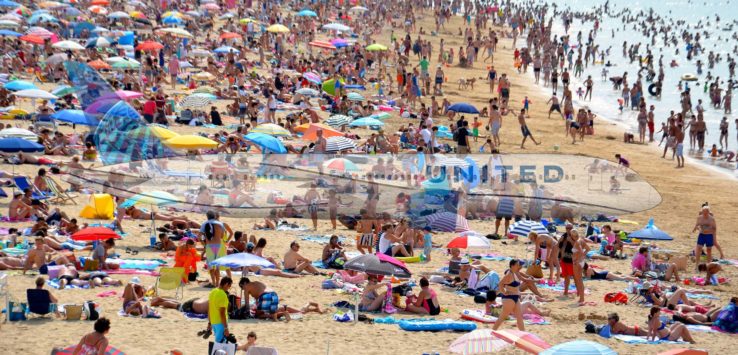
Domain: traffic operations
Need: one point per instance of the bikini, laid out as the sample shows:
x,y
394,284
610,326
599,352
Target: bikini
x,y
514,298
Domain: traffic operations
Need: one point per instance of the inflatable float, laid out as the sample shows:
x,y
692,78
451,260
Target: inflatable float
x,y
410,259
689,77
477,315
654,89
436,325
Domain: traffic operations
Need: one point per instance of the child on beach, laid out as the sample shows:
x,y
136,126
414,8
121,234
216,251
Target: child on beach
x,y
475,128
526,106
427,243
580,92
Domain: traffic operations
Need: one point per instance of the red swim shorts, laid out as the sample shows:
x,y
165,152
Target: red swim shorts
x,y
567,269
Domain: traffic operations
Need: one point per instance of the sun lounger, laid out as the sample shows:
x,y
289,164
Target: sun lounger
x,y
60,195
157,170
22,183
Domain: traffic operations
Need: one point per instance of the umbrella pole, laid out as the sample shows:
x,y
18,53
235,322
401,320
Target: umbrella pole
x,y
356,306
152,235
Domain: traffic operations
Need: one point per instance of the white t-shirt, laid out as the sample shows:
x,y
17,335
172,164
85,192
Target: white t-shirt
x,y
384,243
426,134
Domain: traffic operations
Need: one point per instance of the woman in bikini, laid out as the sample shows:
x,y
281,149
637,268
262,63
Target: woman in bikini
x,y
426,302
605,275
546,251
580,250
371,299
658,330
510,295
94,343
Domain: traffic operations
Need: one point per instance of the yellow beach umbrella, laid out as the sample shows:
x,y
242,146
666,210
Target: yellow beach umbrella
x,y
376,47
271,129
190,141
244,21
176,32
159,131
278,29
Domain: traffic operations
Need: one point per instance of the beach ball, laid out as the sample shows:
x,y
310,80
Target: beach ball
x,y
405,114
556,147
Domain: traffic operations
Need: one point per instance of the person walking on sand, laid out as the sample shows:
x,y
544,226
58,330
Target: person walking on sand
x,y
706,238
495,123
555,106
524,129
218,310
679,150
588,84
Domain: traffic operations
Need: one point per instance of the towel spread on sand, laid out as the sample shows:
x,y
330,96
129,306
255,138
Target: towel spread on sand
x,y
560,288
137,264
321,239
55,284
635,340
132,272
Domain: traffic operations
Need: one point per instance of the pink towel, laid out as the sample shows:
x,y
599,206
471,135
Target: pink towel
x,y
107,294
132,272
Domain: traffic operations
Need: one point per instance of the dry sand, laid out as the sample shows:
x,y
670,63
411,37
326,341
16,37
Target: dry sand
x,y
682,192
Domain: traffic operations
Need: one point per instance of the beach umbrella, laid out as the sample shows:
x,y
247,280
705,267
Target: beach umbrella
x,y
380,115
266,142
211,6
366,121
126,64
172,20
195,101
149,46
114,60
322,44
358,9
278,28
153,198
97,9
463,107
307,13
338,144
63,90
226,49
335,26
378,264
51,5
176,32
271,129
99,64
118,15
16,144
330,86
171,13
355,96
43,17
376,47
339,42
56,59
341,164
100,2
528,342
32,39
447,222
523,227
102,105
190,141
193,13
76,117
16,85
8,3
137,14
160,131
683,351
10,33
9,23
579,347
239,260
128,94
469,241
68,45
95,233
338,120
15,132
650,232
230,35
199,52
205,89
245,21
312,77
35,94
108,351
203,76
98,42
307,92
226,16
311,133
477,342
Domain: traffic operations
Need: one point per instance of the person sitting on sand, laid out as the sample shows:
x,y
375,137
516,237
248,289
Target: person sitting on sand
x,y
590,273
267,301
333,254
617,327
250,341
373,296
259,250
165,244
658,329
641,265
710,270
270,222
194,305
133,300
186,256
655,296
426,302
294,262
95,342
41,257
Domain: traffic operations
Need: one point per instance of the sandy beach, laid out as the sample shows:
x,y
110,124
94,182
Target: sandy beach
x,y
682,191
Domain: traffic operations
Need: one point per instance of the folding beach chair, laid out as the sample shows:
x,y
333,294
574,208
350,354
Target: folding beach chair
x,y
261,350
3,194
22,183
170,278
39,302
60,195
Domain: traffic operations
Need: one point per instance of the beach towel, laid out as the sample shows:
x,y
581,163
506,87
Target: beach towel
x,y
137,264
321,239
288,228
55,284
636,340
132,272
393,320
122,313
195,316
560,288
105,294
15,251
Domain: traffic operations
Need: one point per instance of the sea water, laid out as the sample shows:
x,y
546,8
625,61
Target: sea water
x,y
604,102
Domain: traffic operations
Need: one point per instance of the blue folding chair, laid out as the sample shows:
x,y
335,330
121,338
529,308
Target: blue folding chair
x,y
39,302
22,183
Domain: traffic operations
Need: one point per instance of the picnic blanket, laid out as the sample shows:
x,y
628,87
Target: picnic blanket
x,y
636,340
490,257
137,264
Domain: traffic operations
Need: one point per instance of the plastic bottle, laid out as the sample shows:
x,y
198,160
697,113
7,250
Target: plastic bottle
x,y
152,240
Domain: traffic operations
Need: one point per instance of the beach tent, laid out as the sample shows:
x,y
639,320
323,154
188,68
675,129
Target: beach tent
x,y
101,206
329,86
650,232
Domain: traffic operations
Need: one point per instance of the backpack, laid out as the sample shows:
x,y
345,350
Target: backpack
x,y
616,297
90,311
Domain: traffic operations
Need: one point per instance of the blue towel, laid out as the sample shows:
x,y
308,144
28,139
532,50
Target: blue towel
x,y
635,340
55,284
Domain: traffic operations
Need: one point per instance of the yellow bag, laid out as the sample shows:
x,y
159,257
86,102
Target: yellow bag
x,y
92,265
535,270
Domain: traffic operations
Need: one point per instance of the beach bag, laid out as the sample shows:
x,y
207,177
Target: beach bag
x,y
17,311
192,277
343,317
72,312
535,270
221,348
727,319
616,297
91,312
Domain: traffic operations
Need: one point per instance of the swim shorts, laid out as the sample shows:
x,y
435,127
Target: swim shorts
x,y
680,149
268,302
366,239
567,269
706,240
186,307
525,131
215,251
505,209
219,332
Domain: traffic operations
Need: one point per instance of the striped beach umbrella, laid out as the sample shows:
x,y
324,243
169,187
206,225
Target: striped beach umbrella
x,y
341,164
447,222
338,144
312,77
524,227
355,96
577,347
469,241
271,129
477,342
338,120
366,121
195,101
528,342
308,92
239,260
322,44
108,351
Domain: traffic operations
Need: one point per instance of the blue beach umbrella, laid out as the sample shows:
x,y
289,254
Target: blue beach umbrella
x,y
42,17
266,142
650,232
17,85
239,260
307,13
76,117
152,198
172,20
226,49
577,347
524,227
15,145
8,3
463,107
10,33
366,121
63,90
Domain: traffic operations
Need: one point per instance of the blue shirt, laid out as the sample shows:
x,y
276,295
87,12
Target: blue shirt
x,y
427,240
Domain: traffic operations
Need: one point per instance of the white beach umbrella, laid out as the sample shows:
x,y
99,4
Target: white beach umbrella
x,y
70,45
35,94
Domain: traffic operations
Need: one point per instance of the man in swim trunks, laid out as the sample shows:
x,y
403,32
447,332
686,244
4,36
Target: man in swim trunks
x,y
267,301
495,122
367,227
296,263
708,230
194,305
214,231
679,150
555,106
312,198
